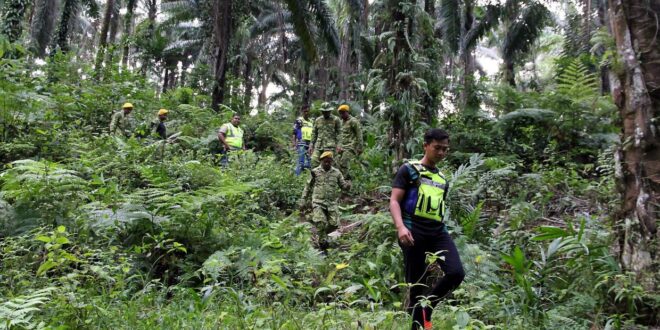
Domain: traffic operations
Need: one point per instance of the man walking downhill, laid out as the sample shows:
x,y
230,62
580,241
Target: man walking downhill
x,y
302,137
325,135
350,140
231,138
324,185
122,123
417,206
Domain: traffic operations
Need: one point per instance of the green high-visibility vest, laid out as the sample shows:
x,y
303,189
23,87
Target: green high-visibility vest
x,y
429,198
306,129
234,136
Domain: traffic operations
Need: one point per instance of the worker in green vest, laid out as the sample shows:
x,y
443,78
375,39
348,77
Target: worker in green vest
x,y
325,135
122,122
231,138
324,186
350,140
302,137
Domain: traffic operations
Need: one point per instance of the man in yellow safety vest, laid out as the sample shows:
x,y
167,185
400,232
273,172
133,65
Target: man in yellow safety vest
x,y
301,139
231,137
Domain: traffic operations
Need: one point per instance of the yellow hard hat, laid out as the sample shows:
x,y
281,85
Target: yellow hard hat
x,y
343,107
326,154
127,106
162,112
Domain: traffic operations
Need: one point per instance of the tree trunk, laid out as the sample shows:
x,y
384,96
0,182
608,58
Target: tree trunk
x,y
166,77
467,62
605,87
509,73
128,29
114,22
184,73
344,63
41,27
60,41
222,32
634,26
247,81
103,38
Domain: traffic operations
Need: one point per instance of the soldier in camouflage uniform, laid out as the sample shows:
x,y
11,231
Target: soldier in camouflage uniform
x,y
324,186
350,140
122,123
325,135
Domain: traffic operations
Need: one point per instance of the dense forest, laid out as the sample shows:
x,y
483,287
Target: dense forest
x,y
552,107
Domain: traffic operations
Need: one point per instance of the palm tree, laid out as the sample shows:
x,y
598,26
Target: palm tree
x,y
128,30
461,30
43,23
70,11
103,37
525,22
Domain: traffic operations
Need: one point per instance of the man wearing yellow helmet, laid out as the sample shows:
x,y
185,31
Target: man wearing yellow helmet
x,y
158,125
324,186
350,139
122,123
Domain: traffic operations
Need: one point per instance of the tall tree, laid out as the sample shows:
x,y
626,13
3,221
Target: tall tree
x,y
128,30
70,11
635,28
43,23
525,22
223,27
103,37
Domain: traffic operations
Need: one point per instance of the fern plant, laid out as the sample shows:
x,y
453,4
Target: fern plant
x,y
18,311
43,189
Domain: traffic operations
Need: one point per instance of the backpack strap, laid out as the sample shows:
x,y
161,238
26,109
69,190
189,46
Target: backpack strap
x,y
414,169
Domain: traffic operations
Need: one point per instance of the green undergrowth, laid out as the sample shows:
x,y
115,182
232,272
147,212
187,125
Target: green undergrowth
x,y
102,232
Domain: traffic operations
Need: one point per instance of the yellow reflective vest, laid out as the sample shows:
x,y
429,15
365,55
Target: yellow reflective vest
x,y
427,198
234,136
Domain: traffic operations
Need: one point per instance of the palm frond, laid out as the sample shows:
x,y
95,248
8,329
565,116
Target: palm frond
x,y
93,9
450,23
270,23
326,24
524,31
179,6
299,19
489,21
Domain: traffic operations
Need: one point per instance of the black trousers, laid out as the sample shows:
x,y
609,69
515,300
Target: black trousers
x,y
414,258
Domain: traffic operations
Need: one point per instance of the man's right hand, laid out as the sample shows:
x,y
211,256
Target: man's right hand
x,y
226,147
405,237
310,151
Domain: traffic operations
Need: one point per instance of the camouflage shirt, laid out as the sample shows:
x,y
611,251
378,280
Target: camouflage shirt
x,y
326,132
121,124
325,186
350,136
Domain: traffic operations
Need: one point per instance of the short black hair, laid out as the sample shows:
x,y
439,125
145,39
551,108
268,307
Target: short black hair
x,y
235,114
436,134
304,106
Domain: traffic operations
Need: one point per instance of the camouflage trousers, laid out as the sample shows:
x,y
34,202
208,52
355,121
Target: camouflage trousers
x,y
344,159
317,153
325,220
